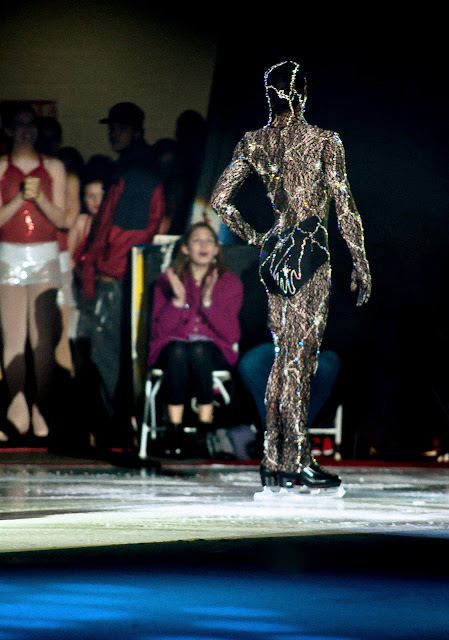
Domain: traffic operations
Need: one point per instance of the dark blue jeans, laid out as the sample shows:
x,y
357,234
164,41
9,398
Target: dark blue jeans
x,y
100,323
255,366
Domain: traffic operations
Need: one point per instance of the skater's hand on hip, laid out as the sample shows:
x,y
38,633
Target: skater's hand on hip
x,y
361,284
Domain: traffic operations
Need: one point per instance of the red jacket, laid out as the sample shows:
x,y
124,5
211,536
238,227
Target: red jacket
x,y
219,322
109,250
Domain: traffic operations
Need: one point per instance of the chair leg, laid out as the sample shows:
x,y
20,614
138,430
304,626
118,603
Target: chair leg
x,y
222,389
143,442
219,385
338,421
153,417
146,410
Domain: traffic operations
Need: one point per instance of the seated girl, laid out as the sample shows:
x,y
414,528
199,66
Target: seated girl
x,y
195,327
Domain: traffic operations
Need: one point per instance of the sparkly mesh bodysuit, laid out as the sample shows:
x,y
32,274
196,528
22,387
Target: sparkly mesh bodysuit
x,y
302,168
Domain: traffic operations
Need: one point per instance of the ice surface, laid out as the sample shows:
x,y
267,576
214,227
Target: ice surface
x,y
58,507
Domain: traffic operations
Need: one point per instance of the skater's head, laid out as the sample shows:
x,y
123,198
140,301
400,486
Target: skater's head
x,y
285,89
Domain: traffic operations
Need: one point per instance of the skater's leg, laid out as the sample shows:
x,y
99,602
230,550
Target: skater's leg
x,y
303,324
299,322
288,390
297,325
272,440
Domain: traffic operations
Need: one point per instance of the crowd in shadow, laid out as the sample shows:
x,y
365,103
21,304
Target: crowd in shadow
x,y
67,226
65,296
67,381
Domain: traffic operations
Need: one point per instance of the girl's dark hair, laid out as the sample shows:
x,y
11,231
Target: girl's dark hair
x,y
72,159
50,135
10,110
181,263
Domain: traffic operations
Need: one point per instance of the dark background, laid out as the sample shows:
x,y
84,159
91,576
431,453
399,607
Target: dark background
x,y
382,86
377,76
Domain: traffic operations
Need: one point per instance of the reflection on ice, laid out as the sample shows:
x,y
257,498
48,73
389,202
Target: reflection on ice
x,y
59,507
286,497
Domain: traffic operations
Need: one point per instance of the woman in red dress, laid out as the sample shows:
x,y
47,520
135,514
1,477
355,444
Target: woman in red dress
x,y
32,208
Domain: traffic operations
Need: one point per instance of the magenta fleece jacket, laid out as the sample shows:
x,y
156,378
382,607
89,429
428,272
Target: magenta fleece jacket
x,y
219,322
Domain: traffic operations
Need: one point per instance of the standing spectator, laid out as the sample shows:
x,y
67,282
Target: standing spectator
x,y
32,208
179,161
93,195
190,137
73,162
94,184
131,214
49,141
49,135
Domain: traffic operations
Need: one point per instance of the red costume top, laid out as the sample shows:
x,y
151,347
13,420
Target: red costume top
x,y
28,224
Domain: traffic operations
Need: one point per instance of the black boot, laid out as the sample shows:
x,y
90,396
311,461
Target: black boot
x,y
313,477
202,429
172,440
267,477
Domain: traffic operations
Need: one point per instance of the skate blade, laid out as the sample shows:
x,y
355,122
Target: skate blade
x,y
331,492
267,494
284,495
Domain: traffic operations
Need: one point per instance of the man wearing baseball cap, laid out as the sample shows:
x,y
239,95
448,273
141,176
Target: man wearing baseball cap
x,y
131,214
126,113
125,124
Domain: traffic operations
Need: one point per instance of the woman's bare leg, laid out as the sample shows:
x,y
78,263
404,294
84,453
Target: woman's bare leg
x,y
44,320
205,412
175,413
13,319
63,352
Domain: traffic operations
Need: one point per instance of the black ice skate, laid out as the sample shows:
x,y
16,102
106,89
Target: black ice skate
x,y
312,479
268,478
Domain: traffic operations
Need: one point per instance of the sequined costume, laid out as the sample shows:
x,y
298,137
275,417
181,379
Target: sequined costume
x,y
29,252
302,168
29,279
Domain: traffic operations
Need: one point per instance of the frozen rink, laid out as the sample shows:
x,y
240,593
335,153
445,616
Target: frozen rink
x,y
98,550
69,504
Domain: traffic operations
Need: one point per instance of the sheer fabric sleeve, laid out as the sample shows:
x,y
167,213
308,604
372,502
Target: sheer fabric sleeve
x,y
349,221
225,190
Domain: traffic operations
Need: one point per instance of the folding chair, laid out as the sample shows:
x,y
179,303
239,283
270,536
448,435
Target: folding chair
x,y
152,387
335,430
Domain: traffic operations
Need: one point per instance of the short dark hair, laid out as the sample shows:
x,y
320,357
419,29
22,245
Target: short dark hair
x,y
10,110
280,77
126,113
